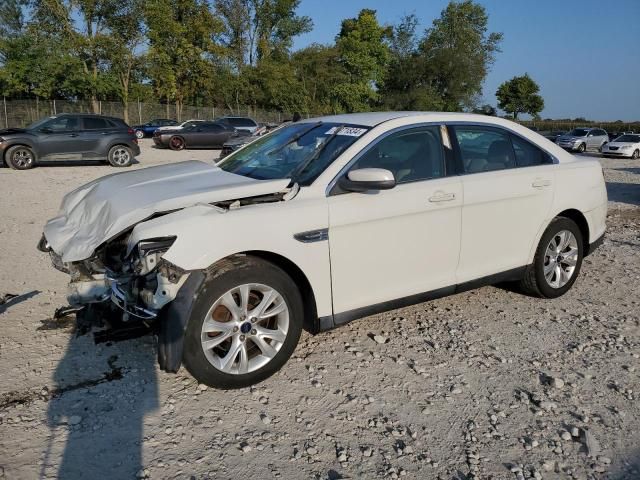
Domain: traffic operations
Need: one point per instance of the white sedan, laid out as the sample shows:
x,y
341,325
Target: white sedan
x,y
319,223
627,145
185,124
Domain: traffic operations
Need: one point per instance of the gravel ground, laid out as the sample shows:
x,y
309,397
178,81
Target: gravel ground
x,y
484,384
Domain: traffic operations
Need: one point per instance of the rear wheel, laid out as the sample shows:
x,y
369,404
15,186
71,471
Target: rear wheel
x,y
582,148
139,134
636,154
245,324
176,143
20,157
557,262
120,156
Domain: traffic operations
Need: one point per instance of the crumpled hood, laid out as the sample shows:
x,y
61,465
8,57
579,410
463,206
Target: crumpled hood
x,y
104,208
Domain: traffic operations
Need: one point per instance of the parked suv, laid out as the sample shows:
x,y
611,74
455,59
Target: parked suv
x,y
583,139
69,137
321,222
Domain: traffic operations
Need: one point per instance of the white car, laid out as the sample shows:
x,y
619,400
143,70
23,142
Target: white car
x,y
319,223
185,124
627,145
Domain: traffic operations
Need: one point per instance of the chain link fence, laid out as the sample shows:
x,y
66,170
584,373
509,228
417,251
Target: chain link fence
x,y
20,113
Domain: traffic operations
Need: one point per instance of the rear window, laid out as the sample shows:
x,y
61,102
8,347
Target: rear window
x,y
241,122
93,123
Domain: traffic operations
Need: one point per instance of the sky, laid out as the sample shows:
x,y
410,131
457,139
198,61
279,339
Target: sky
x,y
584,54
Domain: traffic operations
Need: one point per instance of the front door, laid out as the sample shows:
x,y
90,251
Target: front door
x,y
390,244
59,139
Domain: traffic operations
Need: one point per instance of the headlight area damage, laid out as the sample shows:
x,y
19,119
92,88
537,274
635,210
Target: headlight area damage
x,y
131,288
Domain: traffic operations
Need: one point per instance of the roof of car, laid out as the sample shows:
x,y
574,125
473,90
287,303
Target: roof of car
x,y
371,119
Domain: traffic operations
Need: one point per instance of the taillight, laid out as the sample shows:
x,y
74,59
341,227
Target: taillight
x,y
130,131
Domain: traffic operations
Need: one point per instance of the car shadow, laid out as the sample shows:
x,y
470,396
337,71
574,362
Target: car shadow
x,y
76,163
630,170
624,193
97,408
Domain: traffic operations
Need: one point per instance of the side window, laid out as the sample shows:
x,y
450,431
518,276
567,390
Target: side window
x,y
484,149
411,155
93,123
62,124
527,154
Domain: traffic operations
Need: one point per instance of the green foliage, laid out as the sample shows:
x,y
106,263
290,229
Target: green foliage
x,y
363,50
235,53
520,95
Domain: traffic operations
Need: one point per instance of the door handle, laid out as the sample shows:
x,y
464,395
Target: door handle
x,y
72,135
442,197
541,183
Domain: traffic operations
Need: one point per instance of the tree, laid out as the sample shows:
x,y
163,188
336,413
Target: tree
x,y
181,35
122,47
458,52
363,50
445,69
258,29
486,110
520,95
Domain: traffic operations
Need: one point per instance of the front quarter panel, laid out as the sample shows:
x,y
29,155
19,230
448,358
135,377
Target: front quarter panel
x,y
205,234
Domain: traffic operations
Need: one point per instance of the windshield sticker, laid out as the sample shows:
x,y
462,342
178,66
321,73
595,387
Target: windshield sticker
x,y
347,131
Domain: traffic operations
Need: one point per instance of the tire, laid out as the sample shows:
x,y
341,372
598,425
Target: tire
x,y
20,157
120,156
177,143
582,148
636,154
139,134
216,367
535,282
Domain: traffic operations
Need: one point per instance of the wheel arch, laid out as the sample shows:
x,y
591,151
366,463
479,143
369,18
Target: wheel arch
x,y
578,217
299,278
19,143
572,214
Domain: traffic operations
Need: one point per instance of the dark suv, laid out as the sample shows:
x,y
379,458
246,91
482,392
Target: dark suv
x,y
68,137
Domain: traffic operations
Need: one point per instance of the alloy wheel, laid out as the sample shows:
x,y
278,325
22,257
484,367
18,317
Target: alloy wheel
x,y
22,158
245,328
560,259
121,156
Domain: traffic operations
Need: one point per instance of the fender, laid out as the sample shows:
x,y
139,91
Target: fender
x,y
173,323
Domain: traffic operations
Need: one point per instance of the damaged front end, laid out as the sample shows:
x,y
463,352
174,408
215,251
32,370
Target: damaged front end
x,y
140,283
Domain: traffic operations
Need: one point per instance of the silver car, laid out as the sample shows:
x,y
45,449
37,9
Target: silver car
x,y
583,139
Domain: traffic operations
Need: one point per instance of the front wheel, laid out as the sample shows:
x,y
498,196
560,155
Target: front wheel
x,y
120,156
582,148
636,154
20,157
245,324
557,262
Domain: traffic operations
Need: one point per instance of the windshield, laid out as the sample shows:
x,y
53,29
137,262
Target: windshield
x,y
300,151
579,132
629,138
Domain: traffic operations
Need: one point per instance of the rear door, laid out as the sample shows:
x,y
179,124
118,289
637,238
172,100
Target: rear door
x,y
96,135
508,192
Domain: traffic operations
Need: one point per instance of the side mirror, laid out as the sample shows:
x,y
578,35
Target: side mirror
x,y
366,179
